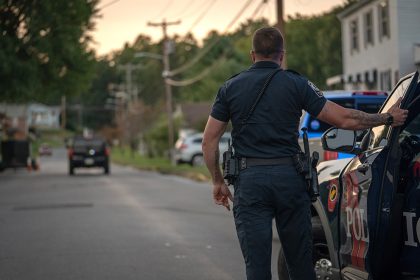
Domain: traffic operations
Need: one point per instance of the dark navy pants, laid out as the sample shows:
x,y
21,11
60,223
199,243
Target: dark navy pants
x,y
261,194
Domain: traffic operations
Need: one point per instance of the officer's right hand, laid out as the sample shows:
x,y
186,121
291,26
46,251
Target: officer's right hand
x,y
222,194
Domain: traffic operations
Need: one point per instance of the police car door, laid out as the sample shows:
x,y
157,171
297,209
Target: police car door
x,y
367,193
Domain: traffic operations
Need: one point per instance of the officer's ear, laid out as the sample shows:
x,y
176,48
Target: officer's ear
x,y
252,54
281,58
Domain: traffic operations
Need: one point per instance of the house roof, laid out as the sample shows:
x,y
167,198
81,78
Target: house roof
x,y
353,8
17,110
13,110
42,107
194,113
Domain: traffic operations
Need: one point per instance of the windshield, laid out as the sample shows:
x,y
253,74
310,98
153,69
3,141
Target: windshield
x,y
81,144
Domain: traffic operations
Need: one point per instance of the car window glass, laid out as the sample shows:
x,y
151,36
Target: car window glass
x,y
197,140
83,143
370,108
380,133
413,128
224,140
345,102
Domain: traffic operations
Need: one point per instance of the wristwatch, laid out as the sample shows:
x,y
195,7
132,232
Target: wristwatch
x,y
389,119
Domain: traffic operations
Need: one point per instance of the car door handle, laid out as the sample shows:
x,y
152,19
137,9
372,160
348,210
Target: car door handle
x,y
363,168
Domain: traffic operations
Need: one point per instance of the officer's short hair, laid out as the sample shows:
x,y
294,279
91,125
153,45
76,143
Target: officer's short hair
x,y
268,42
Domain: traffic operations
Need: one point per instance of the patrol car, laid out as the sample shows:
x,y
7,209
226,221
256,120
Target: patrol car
x,y
367,101
366,221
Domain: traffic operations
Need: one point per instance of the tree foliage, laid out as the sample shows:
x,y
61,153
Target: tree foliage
x,y
313,45
313,48
44,48
44,53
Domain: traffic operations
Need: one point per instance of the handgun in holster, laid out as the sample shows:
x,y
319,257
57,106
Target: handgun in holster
x,y
230,166
306,165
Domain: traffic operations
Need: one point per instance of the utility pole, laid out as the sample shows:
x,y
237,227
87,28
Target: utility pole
x,y
129,68
168,89
63,112
280,26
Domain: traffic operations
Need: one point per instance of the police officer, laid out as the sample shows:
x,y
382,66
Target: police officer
x,y
268,185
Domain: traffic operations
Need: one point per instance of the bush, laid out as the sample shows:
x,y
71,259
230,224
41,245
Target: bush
x,y
156,138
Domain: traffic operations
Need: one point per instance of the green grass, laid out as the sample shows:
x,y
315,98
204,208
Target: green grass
x,y
123,156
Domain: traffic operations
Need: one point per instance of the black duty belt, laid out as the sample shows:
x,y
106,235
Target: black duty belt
x,y
248,162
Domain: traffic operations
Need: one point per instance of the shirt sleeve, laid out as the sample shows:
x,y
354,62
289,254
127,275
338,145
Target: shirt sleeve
x,y
313,99
220,109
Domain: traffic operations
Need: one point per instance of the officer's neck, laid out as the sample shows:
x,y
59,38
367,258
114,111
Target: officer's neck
x,y
277,61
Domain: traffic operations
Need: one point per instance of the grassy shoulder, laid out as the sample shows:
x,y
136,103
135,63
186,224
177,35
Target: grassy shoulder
x,y
123,156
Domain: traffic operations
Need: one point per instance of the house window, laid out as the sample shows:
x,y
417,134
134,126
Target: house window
x,y
383,15
354,35
385,77
368,23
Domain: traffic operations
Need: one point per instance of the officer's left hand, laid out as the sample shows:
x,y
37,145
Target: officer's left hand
x,y
399,115
222,194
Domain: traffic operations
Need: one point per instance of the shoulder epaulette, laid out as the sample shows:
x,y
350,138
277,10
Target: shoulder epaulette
x,y
233,76
293,71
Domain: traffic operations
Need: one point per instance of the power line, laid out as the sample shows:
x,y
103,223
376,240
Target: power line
x,y
197,78
201,16
207,70
259,8
238,15
185,9
108,4
263,10
164,9
211,45
186,14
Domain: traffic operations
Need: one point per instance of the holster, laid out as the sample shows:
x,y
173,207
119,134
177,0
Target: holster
x,y
230,167
309,172
301,164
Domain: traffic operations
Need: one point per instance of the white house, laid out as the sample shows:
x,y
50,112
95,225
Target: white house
x,y
43,116
380,43
34,114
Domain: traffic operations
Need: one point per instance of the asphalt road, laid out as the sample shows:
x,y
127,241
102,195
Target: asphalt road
x,y
129,225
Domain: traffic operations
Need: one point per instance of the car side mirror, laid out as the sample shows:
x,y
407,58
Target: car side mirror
x,y
339,140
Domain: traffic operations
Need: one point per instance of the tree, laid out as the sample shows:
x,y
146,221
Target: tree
x,y
44,48
313,45
96,107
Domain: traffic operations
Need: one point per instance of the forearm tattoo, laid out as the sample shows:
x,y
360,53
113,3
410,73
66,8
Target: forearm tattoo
x,y
366,120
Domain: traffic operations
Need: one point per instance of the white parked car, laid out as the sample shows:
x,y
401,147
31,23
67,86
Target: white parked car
x,y
188,148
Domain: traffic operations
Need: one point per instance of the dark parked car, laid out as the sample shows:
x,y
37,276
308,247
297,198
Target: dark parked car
x,y
366,222
88,152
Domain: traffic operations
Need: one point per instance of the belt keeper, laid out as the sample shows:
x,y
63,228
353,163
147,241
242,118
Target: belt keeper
x,y
243,163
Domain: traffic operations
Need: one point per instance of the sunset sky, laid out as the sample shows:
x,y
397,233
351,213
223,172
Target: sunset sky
x,y
122,20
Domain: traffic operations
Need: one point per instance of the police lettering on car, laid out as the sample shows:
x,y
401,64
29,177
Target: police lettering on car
x,y
264,104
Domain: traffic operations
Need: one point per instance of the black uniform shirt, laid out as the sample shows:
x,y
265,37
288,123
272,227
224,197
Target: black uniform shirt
x,y
272,131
